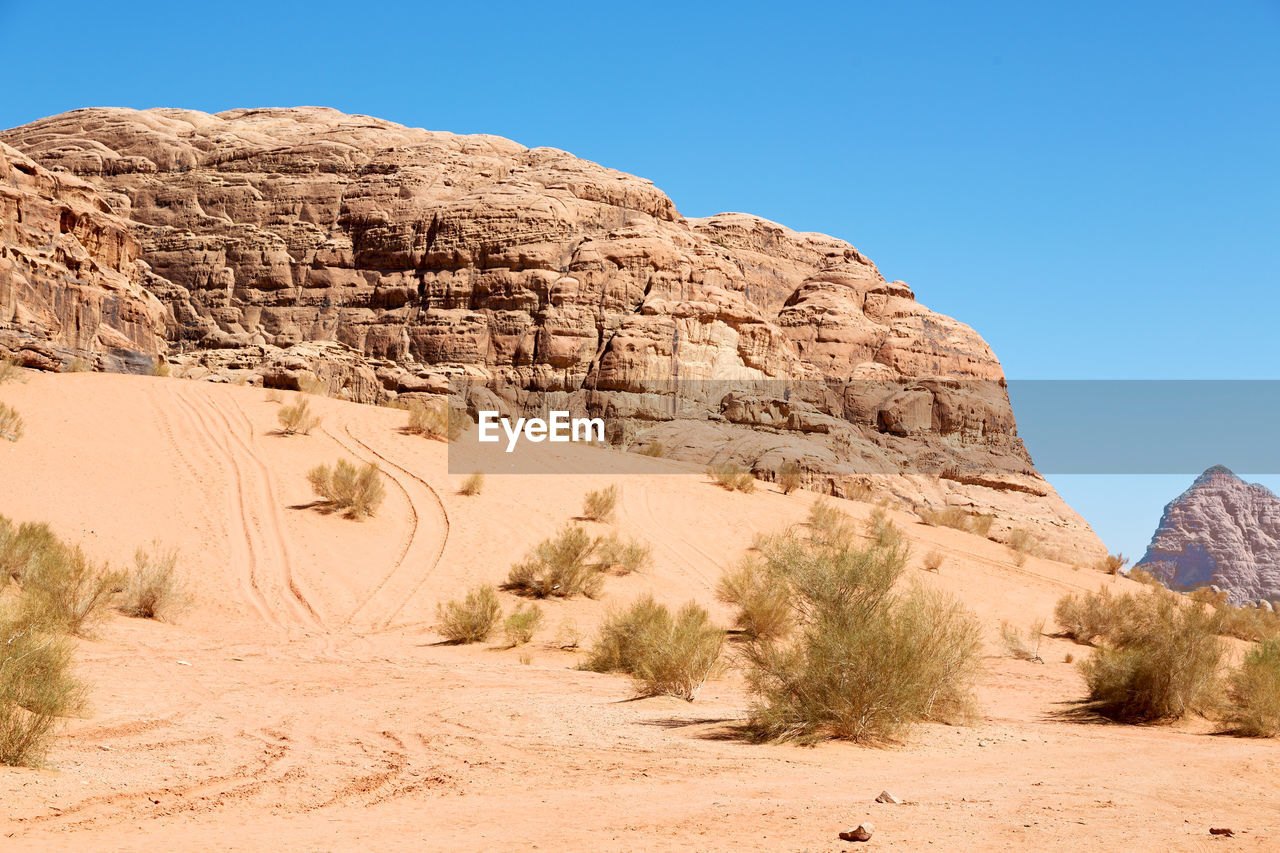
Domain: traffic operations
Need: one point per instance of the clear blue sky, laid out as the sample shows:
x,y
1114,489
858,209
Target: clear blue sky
x,y
1094,186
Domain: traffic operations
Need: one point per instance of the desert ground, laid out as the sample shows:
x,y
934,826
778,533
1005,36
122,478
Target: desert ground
x,y
304,700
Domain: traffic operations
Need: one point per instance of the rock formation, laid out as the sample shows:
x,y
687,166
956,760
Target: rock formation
x,y
1221,532
71,282
393,261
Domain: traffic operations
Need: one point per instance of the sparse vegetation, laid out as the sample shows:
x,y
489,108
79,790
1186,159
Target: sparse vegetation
x,y
356,490
562,566
274,395
1093,615
623,555
600,505
654,449
79,365
980,523
63,591
311,384
762,599
1112,563
37,689
152,590
1145,577
11,426
160,367
297,418
933,561
9,370
664,655
731,476
568,635
789,477
473,619
472,485
1024,646
949,517
1160,665
1023,544
862,662
522,623
1247,623
883,532
1254,688
436,420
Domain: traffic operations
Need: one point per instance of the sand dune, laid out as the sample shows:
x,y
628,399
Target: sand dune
x,y
303,700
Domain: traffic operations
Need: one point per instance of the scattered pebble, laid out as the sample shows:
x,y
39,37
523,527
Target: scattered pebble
x,y
1221,830
861,832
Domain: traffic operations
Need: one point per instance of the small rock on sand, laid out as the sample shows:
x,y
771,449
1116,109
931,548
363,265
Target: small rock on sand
x,y
861,832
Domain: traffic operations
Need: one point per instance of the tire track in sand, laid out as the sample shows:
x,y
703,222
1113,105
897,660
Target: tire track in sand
x,y
399,586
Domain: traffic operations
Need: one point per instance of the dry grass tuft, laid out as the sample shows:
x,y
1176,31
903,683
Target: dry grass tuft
x,y
311,384
1023,646
664,655
473,619
949,517
933,561
560,567
790,477
152,589
1254,689
1112,563
762,600
522,624
600,505
654,449
356,490
437,420
733,477
9,370
298,418
623,556
37,690
472,485
11,426
980,523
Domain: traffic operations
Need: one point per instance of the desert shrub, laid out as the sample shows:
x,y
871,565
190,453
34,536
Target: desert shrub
x,y
654,449
151,589
1246,623
11,426
358,491
1143,576
1205,595
160,367
664,655
980,523
568,635
883,532
472,485
863,662
949,517
63,591
1254,688
762,599
473,619
309,383
1068,658
9,370
731,476
1024,646
624,555
1112,563
1023,543
436,420
826,523
274,395
79,365
297,418
522,623
789,477
21,545
600,505
933,561
37,689
562,566
859,490
1094,615
1160,666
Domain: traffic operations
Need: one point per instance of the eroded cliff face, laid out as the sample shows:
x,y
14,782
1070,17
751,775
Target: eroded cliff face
x,y
396,261
71,282
1222,532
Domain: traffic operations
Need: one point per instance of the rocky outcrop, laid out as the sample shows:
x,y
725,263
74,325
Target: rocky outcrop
x,y
397,261
71,280
1221,532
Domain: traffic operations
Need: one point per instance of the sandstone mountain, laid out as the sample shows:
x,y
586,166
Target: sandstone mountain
x,y
392,262
1222,532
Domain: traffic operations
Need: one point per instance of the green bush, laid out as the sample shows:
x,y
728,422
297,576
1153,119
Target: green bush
x,y
600,505
522,624
1254,689
297,418
358,491
862,662
1160,665
473,619
664,655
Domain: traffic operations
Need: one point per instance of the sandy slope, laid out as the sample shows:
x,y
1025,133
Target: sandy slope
x,y
303,703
